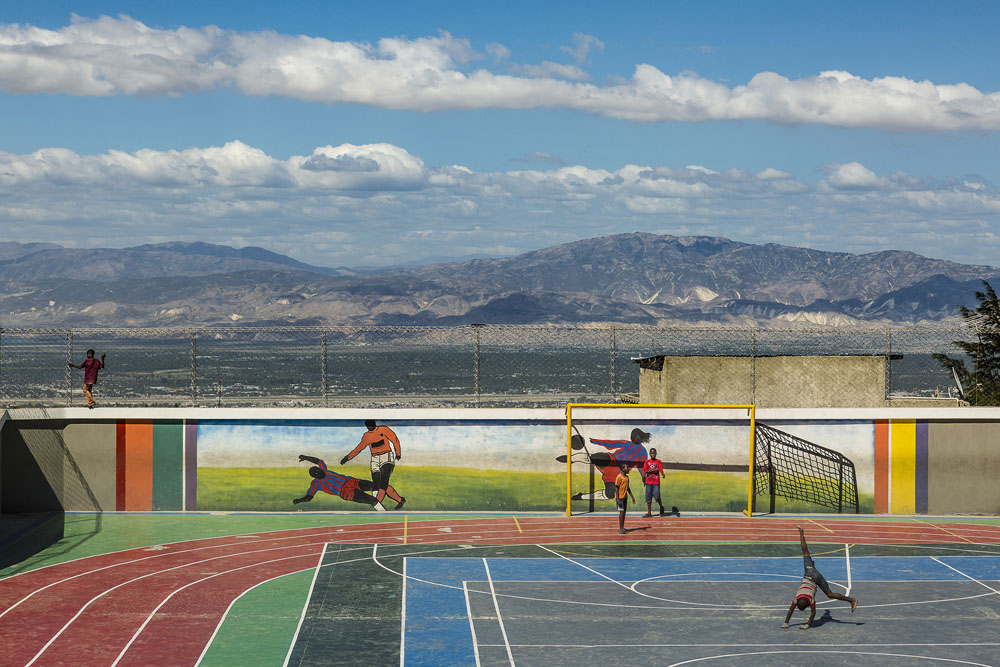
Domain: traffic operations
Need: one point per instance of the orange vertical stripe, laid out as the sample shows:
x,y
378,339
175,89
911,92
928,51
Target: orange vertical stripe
x,y
139,465
882,466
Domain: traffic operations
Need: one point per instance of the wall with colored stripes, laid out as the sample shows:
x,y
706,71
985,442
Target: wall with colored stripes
x,y
912,461
121,465
937,467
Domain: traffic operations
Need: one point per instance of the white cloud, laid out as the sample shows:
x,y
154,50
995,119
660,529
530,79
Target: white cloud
x,y
853,176
550,69
374,204
121,56
582,46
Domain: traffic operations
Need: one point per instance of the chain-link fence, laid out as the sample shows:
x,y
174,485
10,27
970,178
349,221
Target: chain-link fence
x,y
379,366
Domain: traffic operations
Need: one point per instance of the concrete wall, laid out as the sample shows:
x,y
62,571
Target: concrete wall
x,y
768,382
908,460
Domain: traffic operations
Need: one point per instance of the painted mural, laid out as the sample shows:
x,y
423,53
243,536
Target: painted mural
x,y
465,465
904,466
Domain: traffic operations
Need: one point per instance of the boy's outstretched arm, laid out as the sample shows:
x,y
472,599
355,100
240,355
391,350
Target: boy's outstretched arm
x,y
311,459
788,616
304,499
812,615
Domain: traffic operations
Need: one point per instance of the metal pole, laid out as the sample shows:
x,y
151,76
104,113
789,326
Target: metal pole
x,y
477,365
326,385
753,372
888,363
3,389
194,366
840,489
218,403
614,366
69,371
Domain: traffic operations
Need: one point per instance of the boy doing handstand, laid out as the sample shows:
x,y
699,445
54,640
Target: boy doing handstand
x,y
811,580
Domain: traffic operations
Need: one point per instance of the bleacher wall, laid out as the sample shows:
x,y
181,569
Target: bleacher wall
x,y
908,461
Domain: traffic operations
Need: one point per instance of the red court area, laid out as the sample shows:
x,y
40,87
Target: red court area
x,y
134,607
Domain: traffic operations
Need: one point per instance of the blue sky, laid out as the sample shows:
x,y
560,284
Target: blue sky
x,y
345,136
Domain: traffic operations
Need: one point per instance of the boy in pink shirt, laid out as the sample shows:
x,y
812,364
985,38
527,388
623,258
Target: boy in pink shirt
x,y
90,367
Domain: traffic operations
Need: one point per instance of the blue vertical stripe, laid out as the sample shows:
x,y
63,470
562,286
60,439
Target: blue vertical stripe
x,y
920,469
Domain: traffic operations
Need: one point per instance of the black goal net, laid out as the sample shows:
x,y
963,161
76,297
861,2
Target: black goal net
x,y
796,469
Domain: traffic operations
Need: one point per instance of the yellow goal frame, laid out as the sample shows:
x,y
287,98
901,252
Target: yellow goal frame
x,y
751,413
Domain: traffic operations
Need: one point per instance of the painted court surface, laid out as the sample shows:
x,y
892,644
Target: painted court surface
x,y
499,590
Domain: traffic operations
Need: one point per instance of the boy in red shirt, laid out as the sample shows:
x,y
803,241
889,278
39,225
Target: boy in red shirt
x,y
621,486
811,580
90,367
652,472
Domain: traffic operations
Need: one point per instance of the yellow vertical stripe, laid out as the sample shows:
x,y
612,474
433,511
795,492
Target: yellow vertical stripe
x,y
903,466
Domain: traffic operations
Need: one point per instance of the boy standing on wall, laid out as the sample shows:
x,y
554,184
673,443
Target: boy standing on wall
x,y
621,484
90,367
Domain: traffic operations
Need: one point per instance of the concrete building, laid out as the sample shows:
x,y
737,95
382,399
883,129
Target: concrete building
x,y
773,382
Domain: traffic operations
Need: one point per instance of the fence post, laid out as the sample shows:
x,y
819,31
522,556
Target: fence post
x,y
888,364
194,366
614,365
3,389
326,385
218,403
753,368
477,367
69,370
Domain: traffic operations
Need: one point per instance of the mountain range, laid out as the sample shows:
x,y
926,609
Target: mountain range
x,y
636,278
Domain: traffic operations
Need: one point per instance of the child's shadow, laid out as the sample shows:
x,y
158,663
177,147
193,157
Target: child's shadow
x,y
827,618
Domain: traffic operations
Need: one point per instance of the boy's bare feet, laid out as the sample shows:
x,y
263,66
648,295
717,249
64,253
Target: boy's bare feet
x,y
854,604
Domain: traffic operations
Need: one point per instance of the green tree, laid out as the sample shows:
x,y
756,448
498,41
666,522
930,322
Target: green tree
x,y
982,381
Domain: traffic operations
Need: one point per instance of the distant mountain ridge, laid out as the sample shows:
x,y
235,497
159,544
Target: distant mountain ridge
x,y
636,278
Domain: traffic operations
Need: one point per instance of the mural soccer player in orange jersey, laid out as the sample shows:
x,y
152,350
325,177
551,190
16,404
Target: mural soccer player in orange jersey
x,y
382,441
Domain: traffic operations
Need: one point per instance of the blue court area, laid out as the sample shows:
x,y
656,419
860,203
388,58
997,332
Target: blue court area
x,y
599,604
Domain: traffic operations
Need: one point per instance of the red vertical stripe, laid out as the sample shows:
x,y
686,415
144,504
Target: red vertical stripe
x,y
120,467
882,466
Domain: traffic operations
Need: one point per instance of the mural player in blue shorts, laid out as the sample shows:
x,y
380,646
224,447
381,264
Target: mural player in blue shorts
x,y
811,580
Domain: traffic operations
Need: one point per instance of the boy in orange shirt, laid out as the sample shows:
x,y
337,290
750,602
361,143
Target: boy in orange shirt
x,y
621,484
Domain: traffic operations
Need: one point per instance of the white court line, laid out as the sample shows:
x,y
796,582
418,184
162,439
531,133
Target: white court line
x,y
305,607
496,605
887,655
924,645
149,617
232,604
847,556
688,605
589,569
965,575
402,619
472,625
135,579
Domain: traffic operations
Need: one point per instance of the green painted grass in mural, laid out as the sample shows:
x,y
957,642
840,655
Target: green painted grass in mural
x,y
463,489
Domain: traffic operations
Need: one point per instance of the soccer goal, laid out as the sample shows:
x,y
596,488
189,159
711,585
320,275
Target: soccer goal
x,y
796,469
719,457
